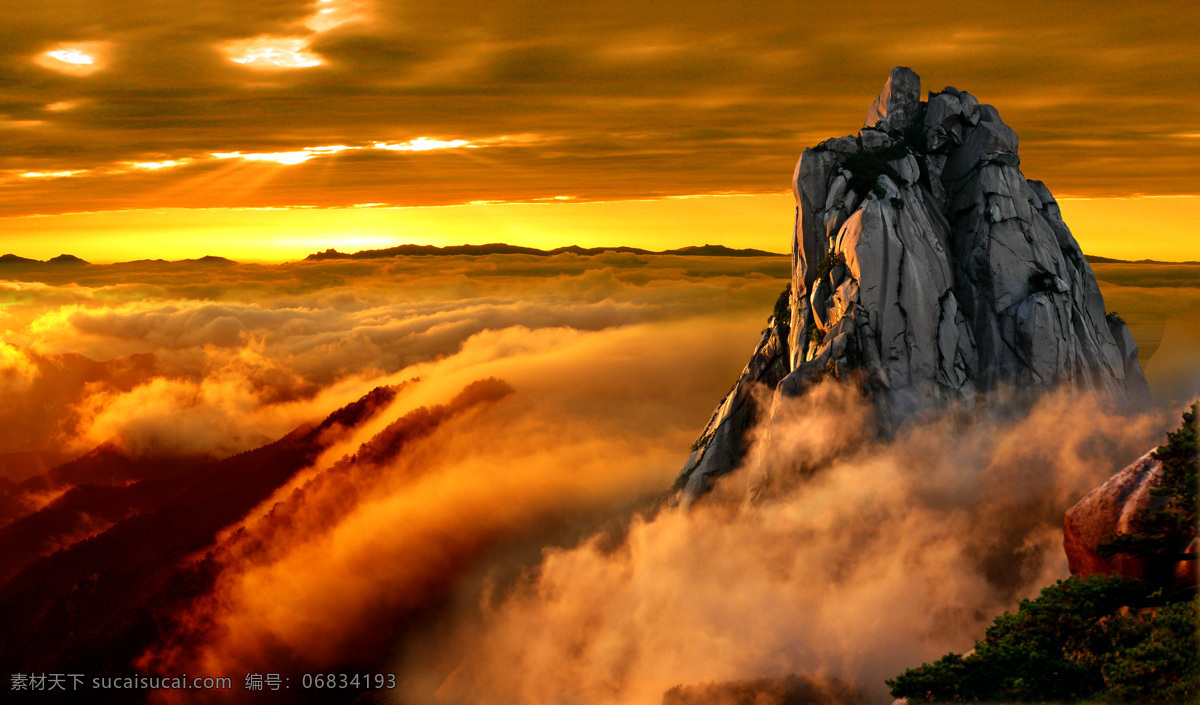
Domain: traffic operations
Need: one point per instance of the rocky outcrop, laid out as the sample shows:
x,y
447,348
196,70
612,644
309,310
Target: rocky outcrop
x,y
1113,509
926,266
722,444
1110,510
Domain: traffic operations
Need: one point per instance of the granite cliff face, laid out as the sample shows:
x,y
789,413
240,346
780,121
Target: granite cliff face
x,y
928,268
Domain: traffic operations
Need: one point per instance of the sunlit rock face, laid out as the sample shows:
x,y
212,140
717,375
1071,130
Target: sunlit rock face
x,y
928,268
1107,511
1111,510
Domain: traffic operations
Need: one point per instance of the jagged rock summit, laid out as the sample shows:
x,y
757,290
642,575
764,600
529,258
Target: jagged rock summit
x,y
925,265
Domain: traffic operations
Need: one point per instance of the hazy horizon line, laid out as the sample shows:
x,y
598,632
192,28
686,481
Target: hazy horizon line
x,y
10,259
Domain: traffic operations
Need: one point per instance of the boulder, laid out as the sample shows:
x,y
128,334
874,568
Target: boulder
x,y
1111,510
943,122
1107,511
875,138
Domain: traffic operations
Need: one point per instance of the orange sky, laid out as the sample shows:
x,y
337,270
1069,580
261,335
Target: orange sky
x,y
128,115
1126,228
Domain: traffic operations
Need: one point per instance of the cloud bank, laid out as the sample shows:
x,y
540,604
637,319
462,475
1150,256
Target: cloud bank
x,y
216,359
492,535
888,555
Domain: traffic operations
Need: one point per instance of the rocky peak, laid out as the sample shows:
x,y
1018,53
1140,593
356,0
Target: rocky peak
x,y
897,103
926,267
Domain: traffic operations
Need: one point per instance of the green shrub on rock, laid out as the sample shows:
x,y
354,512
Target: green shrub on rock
x,y
1097,639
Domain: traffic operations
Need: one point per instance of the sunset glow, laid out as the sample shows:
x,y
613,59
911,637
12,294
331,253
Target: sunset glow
x,y
1106,227
161,165
422,144
72,56
48,174
272,53
274,235
331,14
289,158
80,59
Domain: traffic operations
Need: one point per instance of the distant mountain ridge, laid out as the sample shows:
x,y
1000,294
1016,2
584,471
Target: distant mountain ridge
x,y
1096,259
11,261
499,248
130,576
